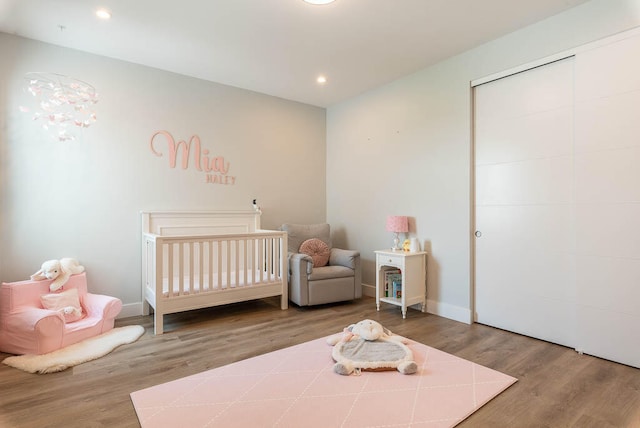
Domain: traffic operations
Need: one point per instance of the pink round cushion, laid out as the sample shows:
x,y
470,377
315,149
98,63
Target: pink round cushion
x,y
317,249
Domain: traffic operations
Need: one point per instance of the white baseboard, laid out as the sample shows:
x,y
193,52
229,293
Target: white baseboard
x,y
444,310
451,312
369,290
130,310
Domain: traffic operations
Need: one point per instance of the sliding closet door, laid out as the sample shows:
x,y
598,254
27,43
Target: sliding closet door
x,y
607,171
525,244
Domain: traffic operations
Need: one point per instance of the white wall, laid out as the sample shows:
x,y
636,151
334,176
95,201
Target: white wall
x,y
82,198
406,148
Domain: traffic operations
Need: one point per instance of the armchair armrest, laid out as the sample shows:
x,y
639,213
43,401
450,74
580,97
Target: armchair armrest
x,y
32,319
346,258
300,266
101,306
300,263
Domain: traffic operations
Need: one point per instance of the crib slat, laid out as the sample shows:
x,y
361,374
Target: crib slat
x,y
274,260
228,284
267,255
265,258
189,285
282,254
170,268
261,258
200,246
230,261
235,266
248,259
244,260
253,260
270,263
210,267
219,264
181,268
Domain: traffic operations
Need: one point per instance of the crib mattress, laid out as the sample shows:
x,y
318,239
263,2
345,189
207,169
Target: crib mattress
x,y
194,287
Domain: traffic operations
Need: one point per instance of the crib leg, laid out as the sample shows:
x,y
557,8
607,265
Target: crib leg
x,y
284,302
157,323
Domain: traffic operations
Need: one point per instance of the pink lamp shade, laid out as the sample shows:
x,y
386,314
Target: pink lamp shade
x,y
397,224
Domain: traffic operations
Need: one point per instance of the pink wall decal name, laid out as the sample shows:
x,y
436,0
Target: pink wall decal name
x,y
216,167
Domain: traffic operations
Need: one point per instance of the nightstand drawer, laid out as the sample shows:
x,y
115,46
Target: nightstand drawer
x,y
390,260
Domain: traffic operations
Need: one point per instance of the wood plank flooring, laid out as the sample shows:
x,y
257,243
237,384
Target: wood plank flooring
x,y
556,388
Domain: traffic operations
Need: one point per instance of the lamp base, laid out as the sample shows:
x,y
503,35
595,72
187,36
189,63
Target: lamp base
x,y
396,243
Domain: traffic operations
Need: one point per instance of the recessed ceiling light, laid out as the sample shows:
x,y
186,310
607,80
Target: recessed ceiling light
x,y
321,79
319,1
103,14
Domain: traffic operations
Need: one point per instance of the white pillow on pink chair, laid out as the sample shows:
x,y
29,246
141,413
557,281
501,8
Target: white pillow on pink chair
x,y
66,302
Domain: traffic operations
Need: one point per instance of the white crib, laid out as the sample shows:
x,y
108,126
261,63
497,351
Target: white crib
x,y
193,260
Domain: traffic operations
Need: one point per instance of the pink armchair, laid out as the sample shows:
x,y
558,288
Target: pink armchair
x,y
27,328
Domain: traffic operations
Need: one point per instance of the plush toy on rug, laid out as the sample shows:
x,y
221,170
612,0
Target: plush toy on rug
x,y
59,271
369,346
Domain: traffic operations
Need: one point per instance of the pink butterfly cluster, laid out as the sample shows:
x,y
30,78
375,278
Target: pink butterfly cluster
x,y
63,104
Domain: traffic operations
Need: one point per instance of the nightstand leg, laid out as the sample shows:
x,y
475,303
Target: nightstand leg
x,y
404,312
378,306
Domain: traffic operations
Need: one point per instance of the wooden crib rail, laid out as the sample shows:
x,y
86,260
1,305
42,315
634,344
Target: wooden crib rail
x,y
187,265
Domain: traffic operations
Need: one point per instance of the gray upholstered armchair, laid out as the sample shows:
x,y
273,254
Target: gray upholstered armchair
x,y
339,280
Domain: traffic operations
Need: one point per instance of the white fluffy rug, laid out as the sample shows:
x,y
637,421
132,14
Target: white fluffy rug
x,y
78,353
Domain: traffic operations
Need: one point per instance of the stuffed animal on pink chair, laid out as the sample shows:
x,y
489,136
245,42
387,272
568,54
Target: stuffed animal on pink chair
x,y
35,321
59,271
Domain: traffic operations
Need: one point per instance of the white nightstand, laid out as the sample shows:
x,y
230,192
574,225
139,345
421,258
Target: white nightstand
x,y
413,268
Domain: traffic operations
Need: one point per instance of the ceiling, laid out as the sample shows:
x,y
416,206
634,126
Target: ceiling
x,y
278,47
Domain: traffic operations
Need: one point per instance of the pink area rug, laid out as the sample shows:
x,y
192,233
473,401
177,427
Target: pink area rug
x,y
296,387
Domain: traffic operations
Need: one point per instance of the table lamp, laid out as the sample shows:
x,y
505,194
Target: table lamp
x,y
397,224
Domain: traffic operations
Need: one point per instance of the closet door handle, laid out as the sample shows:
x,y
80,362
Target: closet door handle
x,y
478,234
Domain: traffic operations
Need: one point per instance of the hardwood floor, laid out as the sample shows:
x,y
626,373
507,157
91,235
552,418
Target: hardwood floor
x,y
556,386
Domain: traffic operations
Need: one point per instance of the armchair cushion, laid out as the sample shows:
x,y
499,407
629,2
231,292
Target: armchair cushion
x,y
67,303
318,250
328,272
298,233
